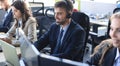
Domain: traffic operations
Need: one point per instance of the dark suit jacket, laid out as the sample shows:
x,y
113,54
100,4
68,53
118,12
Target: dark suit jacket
x,y
108,58
73,41
7,22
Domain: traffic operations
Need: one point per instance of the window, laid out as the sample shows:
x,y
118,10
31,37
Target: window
x,y
104,1
46,2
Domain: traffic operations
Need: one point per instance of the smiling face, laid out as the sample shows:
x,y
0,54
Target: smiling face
x,y
115,32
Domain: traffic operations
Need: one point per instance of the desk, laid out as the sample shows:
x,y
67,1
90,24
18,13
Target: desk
x,y
99,23
2,58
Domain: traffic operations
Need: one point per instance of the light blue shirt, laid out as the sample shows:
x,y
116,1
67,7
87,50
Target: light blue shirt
x,y
117,58
20,23
65,30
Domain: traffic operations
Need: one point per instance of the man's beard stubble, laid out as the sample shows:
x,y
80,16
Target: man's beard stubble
x,y
62,22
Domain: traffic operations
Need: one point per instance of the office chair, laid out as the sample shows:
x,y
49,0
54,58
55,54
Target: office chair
x,y
45,21
37,10
83,20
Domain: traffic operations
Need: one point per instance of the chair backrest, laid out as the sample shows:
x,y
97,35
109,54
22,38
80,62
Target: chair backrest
x,y
37,8
45,21
43,24
83,20
116,10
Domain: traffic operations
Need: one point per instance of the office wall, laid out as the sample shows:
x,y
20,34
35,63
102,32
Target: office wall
x,y
96,7
46,2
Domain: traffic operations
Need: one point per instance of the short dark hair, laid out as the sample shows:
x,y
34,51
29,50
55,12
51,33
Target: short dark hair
x,y
66,4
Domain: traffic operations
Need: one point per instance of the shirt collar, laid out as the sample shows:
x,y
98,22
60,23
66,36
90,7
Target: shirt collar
x,y
8,10
117,54
65,28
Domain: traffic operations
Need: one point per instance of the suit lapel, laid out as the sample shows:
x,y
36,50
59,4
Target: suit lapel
x,y
7,18
68,33
56,33
109,57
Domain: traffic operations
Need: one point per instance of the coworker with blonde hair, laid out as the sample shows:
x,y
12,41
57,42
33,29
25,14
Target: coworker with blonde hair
x,y
108,52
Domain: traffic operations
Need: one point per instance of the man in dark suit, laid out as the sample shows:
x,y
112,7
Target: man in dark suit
x,y
71,42
8,17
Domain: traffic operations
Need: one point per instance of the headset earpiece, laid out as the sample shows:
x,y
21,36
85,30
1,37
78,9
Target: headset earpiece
x,y
67,8
68,15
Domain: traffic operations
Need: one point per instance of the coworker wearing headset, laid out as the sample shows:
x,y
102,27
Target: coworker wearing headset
x,y
72,40
24,20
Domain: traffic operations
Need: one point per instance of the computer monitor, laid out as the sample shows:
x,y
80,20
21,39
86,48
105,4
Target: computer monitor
x,y
46,60
10,54
29,54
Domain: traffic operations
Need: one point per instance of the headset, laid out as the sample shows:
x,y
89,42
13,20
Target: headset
x,y
67,8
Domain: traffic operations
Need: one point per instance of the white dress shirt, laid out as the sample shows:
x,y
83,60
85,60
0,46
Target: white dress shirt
x,y
117,58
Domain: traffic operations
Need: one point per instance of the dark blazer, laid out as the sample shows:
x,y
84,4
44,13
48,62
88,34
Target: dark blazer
x,y
73,41
108,58
7,22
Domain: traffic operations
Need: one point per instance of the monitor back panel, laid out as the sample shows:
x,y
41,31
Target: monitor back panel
x,y
29,53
